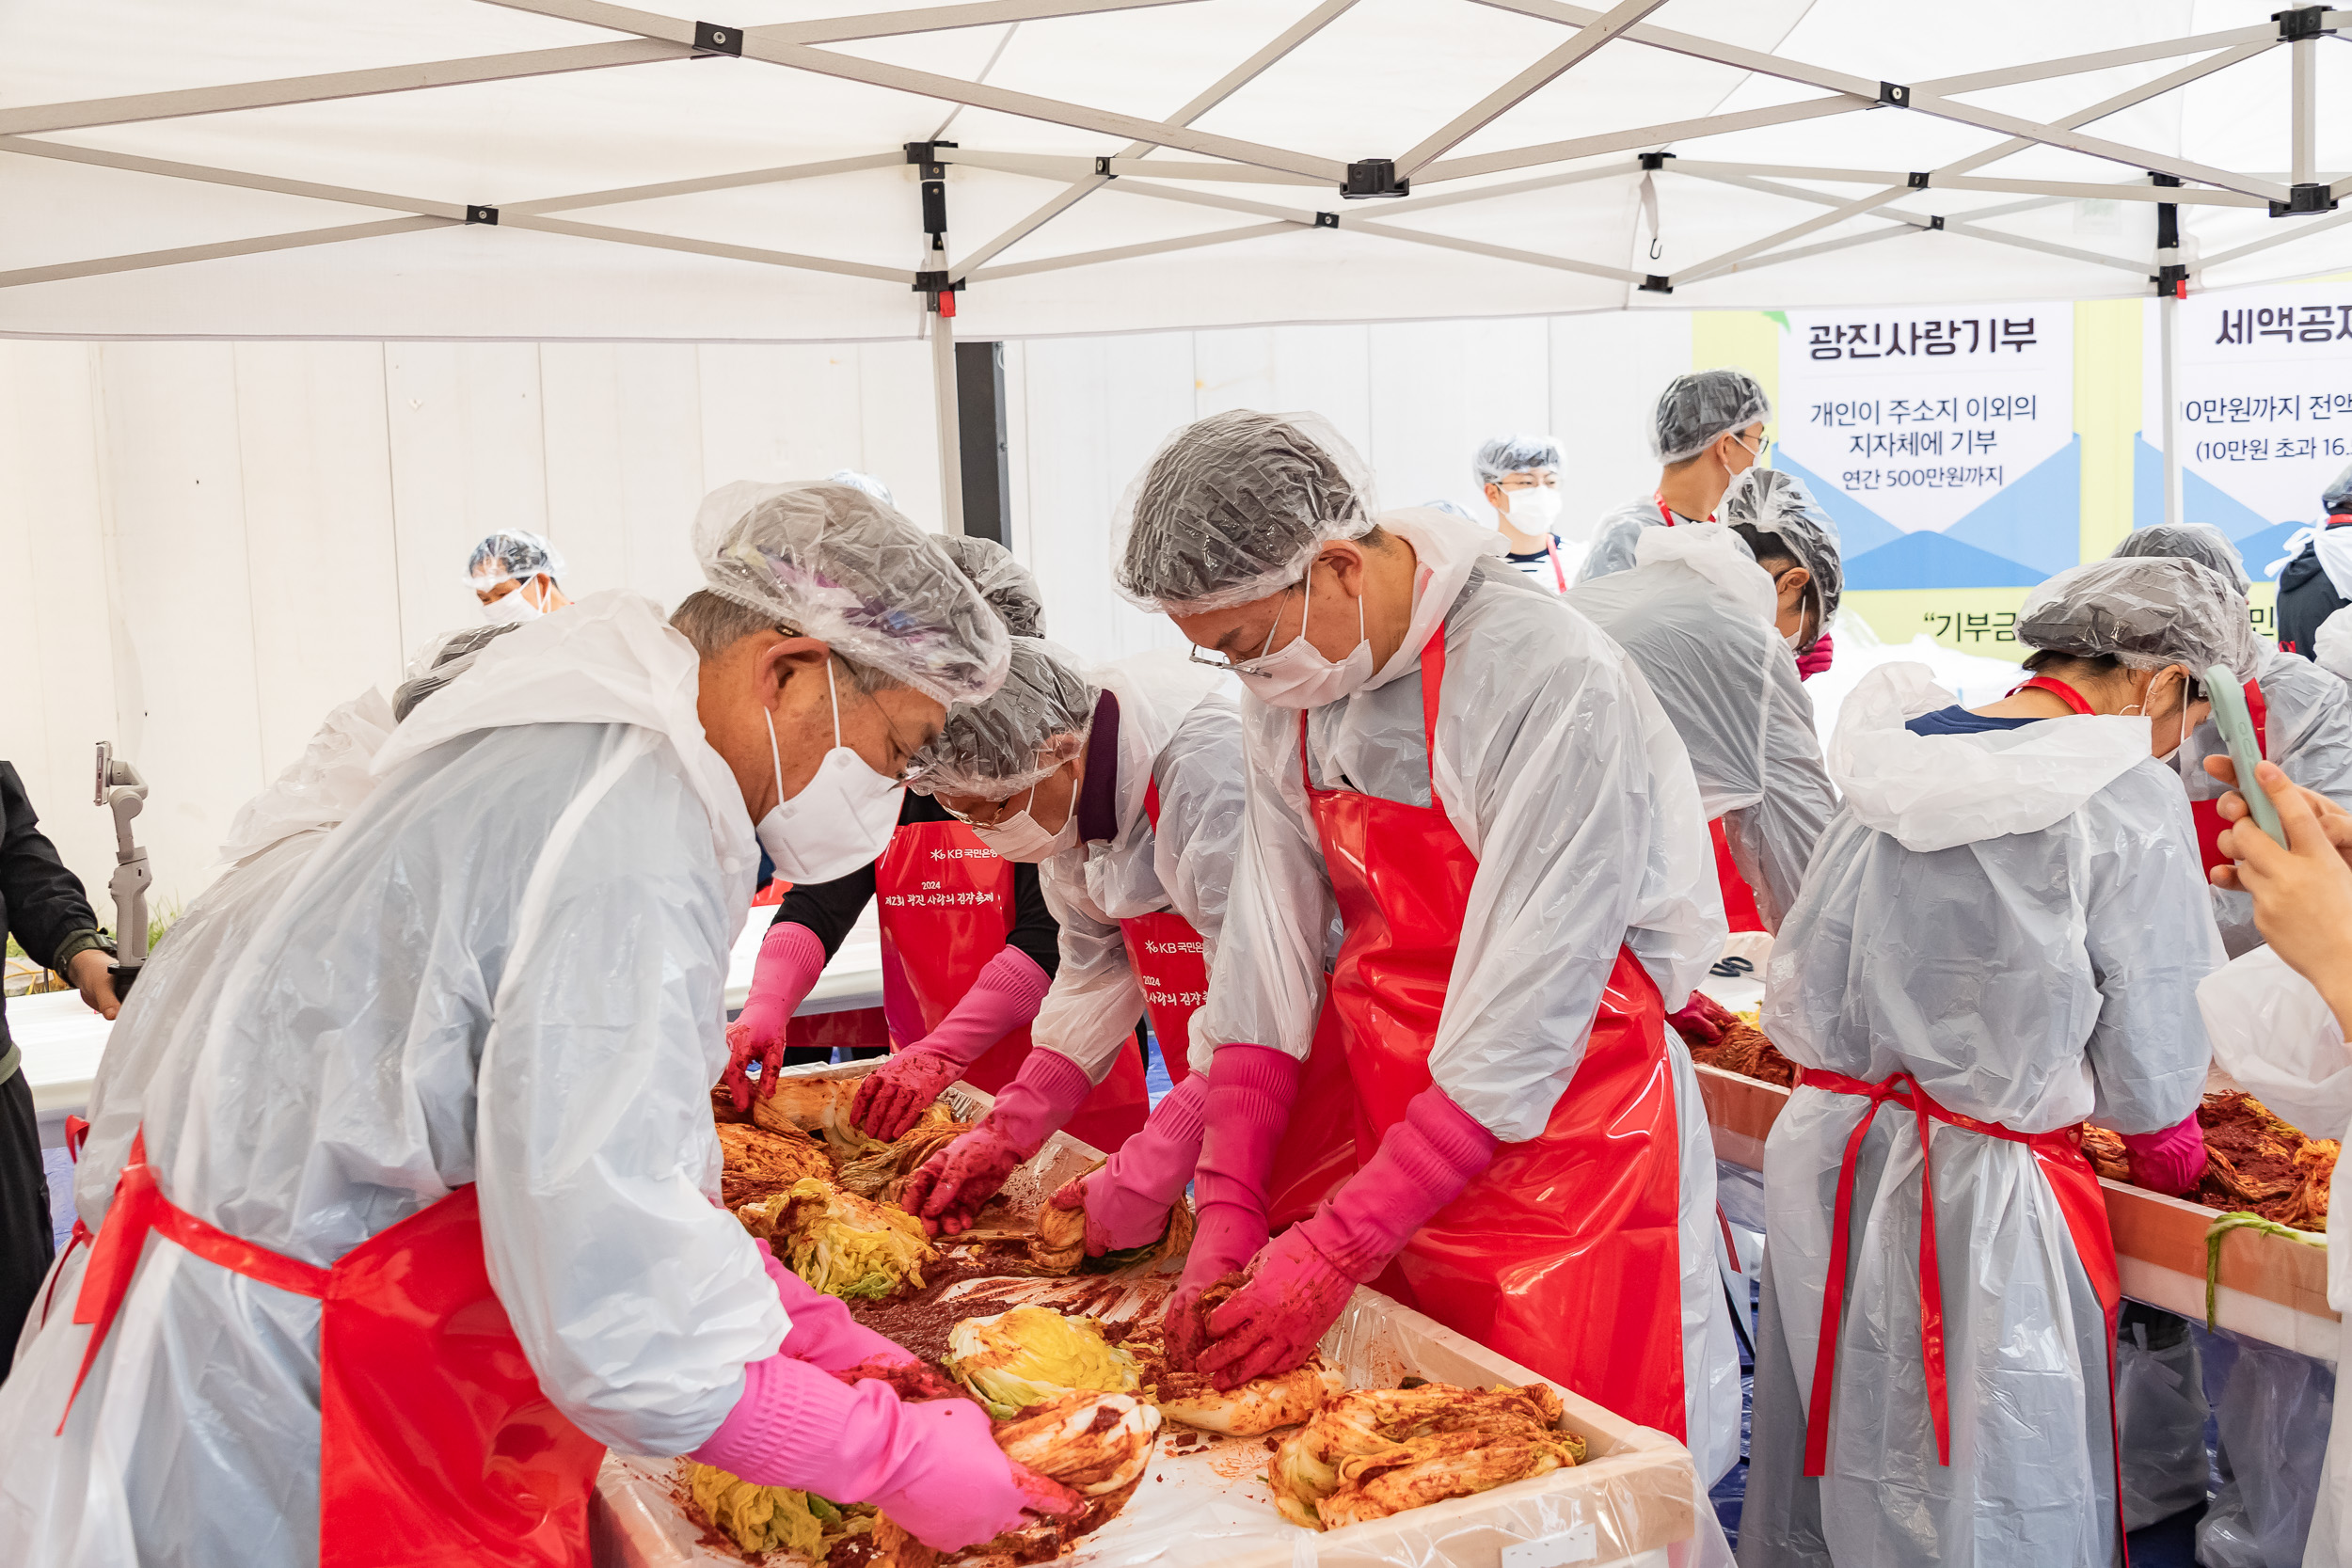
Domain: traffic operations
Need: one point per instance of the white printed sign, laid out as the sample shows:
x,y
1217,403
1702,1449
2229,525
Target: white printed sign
x,y
1955,423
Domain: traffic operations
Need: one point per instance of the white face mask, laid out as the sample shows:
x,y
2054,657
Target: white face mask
x,y
1298,676
511,609
1535,509
841,819
1018,837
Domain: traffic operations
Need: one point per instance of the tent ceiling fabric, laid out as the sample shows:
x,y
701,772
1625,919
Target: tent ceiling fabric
x,y
286,167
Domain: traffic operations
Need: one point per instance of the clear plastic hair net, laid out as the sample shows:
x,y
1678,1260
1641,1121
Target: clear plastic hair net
x,y
2337,498
1009,588
1037,720
1695,409
1232,508
2145,611
1516,455
867,483
835,564
443,661
1771,501
2200,541
512,553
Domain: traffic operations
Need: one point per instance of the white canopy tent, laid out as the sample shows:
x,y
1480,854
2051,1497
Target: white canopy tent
x,y
572,169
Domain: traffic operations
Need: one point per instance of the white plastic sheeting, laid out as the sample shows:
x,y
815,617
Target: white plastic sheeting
x,y
1518,136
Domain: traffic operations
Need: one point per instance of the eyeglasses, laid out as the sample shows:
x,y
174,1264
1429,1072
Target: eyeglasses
x,y
995,814
1242,666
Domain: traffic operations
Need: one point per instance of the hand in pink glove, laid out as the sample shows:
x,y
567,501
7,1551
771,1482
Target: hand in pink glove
x,y
950,1191
1127,1200
1246,1110
1814,659
1297,1284
2169,1162
932,1466
1004,996
823,1334
1702,1019
790,959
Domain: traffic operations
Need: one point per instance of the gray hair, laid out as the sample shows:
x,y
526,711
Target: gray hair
x,y
714,622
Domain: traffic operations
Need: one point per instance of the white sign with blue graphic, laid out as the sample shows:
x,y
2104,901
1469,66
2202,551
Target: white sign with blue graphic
x,y
2266,408
1942,441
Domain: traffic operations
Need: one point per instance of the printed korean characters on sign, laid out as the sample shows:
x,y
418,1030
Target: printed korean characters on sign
x,y
2264,390
1942,441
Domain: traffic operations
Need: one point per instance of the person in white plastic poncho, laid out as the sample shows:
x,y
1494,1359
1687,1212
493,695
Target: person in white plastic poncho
x,y
1481,786
1702,619
2279,1018
2302,719
1123,785
1999,937
422,1159
512,574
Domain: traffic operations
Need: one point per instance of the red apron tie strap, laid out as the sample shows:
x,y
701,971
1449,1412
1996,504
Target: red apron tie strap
x,y
1903,1086
1152,802
139,1207
2057,688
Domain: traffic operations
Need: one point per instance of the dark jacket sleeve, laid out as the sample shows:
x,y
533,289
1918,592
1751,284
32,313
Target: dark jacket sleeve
x,y
1035,930
42,902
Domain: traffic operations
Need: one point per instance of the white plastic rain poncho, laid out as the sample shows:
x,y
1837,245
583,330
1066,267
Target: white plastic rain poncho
x,y
1565,779
505,968
2307,724
1178,726
2017,918
1697,617
2274,1034
1620,531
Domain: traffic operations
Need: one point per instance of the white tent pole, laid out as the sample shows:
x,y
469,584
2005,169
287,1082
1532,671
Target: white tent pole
x,y
1642,137
1216,93
1525,85
2286,236
1128,252
2168,338
2261,32
944,410
214,252
2302,108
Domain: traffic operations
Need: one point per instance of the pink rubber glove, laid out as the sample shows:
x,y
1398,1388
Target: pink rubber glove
x,y
1297,1284
1127,1200
2169,1162
948,1191
1246,1113
1702,1019
823,1334
1004,997
790,959
932,1465
1814,659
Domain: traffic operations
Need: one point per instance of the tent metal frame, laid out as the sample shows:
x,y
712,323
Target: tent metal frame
x,y
1134,170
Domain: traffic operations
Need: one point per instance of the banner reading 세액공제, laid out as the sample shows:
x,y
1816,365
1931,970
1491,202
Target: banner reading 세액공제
x,y
2264,390
1942,441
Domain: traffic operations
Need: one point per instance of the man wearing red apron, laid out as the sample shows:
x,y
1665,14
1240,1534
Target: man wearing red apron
x,y
2000,935
1123,784
1707,430
400,1204
1479,785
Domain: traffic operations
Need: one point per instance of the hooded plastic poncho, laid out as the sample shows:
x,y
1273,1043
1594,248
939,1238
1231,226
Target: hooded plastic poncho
x,y
1566,778
1778,503
1695,615
2331,650
2015,917
1231,509
1515,454
512,554
1009,588
1029,727
505,967
831,562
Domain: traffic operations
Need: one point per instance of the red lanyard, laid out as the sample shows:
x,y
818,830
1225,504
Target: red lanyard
x,y
1551,548
2057,688
1666,514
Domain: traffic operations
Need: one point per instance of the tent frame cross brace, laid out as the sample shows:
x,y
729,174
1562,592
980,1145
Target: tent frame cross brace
x,y
1405,181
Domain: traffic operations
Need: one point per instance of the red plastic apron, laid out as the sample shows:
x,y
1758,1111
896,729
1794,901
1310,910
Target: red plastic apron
x,y
436,1444
1739,905
946,907
1565,1254
1171,964
2058,1156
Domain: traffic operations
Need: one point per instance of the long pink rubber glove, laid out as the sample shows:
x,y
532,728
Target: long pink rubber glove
x,y
1814,659
1247,1110
948,1191
1005,995
790,959
1127,1200
932,1466
823,1334
2169,1162
1297,1284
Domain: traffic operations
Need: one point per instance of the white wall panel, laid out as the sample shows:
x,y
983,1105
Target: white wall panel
x,y
897,436
1441,389
623,465
1607,372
